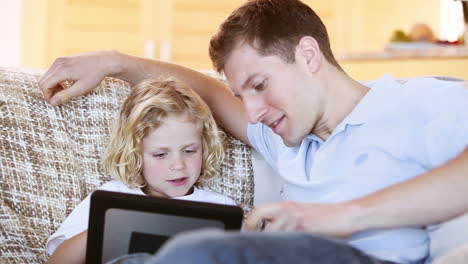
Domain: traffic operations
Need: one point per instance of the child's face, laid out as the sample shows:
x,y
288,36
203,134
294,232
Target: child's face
x,y
172,157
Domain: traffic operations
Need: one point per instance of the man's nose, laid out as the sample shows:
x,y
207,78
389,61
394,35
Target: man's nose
x,y
256,110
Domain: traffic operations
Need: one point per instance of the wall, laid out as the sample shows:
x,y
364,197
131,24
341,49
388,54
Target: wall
x,y
175,30
179,30
10,26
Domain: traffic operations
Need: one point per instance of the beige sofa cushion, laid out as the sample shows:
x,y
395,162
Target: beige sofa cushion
x,y
50,161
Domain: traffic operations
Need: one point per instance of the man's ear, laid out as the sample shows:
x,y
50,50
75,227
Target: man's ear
x,y
308,50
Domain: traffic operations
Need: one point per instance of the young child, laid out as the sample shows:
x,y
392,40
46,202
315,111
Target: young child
x,y
165,144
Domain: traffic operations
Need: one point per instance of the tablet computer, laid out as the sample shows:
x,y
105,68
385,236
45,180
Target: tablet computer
x,y
121,223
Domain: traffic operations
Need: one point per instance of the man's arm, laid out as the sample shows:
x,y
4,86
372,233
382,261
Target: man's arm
x,y
430,198
436,196
89,69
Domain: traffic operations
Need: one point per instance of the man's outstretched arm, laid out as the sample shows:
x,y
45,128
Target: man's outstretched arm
x,y
89,69
430,198
434,197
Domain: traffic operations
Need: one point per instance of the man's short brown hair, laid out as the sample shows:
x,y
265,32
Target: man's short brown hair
x,y
272,27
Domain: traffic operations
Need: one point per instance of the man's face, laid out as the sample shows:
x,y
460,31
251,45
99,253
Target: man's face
x,y
278,94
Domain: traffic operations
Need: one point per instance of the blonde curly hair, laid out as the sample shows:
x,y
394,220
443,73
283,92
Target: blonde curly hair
x,y
147,105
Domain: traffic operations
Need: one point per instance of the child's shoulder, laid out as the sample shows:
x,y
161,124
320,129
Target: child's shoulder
x,y
118,186
213,197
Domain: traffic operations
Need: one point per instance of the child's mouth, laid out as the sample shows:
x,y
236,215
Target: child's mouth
x,y
179,181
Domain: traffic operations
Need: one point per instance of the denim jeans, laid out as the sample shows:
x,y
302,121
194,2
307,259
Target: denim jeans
x,y
219,247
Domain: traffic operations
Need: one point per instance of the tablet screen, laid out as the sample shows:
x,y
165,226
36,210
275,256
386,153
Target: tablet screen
x,y
128,231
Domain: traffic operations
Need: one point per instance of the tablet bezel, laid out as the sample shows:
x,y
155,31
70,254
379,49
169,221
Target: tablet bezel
x,y
101,201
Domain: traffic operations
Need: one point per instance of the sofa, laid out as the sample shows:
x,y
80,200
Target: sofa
x,y
50,161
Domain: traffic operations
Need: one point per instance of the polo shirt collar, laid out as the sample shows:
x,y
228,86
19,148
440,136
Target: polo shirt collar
x,y
369,106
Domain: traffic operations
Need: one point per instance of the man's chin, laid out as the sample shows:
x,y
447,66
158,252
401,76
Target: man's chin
x,y
291,142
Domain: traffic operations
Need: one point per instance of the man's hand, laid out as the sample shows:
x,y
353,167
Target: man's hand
x,y
455,256
87,70
323,219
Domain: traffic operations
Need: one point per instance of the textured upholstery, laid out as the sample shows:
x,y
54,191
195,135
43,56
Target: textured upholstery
x,y
50,160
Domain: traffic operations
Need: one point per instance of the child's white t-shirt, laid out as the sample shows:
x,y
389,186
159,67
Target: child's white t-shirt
x,y
77,221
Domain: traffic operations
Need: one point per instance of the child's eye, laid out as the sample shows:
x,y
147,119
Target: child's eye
x,y
159,155
190,151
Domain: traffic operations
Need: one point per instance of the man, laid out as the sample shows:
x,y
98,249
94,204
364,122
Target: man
x,y
332,139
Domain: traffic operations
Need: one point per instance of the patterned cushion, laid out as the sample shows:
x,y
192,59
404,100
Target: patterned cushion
x,y
50,160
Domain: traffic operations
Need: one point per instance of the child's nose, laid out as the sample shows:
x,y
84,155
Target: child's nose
x,y
178,164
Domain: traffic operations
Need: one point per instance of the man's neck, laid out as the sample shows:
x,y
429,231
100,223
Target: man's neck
x,y
343,94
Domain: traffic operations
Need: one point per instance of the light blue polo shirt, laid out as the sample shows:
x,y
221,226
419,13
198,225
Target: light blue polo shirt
x,y
396,132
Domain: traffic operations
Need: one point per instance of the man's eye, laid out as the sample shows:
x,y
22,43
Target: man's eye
x,y
159,155
260,86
